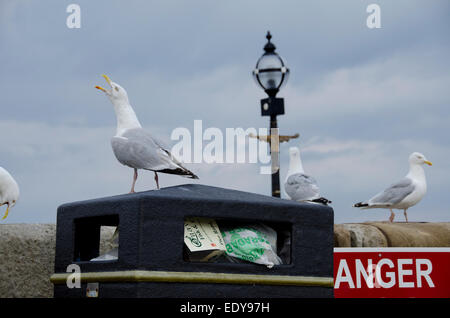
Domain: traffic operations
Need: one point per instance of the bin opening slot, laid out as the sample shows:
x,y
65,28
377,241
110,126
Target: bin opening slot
x,y
96,238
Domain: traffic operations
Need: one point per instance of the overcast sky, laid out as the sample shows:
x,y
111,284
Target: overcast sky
x,y
362,99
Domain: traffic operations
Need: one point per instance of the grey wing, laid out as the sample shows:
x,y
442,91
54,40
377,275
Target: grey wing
x,y
301,187
136,148
177,165
394,193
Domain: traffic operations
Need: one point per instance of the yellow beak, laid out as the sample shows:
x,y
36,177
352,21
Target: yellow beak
x,y
6,213
100,88
428,162
107,80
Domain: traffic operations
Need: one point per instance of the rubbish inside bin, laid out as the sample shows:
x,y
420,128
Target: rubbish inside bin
x,y
203,239
256,243
112,254
108,256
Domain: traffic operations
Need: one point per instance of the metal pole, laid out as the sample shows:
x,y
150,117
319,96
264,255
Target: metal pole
x,y
274,153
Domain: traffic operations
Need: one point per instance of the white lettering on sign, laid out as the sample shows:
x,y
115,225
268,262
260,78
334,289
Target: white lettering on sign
x,y
372,274
390,275
361,271
424,273
343,267
403,272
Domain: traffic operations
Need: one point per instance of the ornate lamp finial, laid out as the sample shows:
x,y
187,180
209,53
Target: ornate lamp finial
x,y
269,47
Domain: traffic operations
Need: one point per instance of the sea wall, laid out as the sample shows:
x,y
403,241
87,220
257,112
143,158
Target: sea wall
x,y
27,258
385,234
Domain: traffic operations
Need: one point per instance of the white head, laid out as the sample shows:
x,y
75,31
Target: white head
x,y
9,190
294,152
295,162
117,94
418,159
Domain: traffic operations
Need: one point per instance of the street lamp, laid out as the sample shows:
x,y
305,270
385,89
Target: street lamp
x,y
271,74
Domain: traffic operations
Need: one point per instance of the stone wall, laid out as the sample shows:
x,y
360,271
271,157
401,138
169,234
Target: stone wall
x,y
27,257
385,234
27,251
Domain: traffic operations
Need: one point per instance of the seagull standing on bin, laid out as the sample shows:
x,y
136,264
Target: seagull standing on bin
x,y
9,190
403,194
135,147
298,185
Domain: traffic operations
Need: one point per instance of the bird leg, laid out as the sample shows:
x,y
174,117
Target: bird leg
x,y
406,215
391,218
134,180
156,179
6,213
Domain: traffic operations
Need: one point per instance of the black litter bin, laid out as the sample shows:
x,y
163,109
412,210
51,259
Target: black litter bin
x,y
152,255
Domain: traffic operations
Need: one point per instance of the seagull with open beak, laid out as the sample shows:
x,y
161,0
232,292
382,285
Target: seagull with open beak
x,y
135,147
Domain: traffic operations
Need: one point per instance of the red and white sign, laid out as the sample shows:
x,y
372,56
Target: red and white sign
x,y
392,272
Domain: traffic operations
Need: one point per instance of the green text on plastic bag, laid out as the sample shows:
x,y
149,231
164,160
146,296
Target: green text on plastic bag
x,y
249,248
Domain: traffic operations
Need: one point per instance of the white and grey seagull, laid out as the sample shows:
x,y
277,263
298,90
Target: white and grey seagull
x,y
298,185
403,194
135,147
9,190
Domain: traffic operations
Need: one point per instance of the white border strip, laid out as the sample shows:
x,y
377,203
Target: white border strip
x,y
391,249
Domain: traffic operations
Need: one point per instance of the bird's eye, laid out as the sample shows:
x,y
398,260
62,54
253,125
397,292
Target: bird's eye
x,y
116,88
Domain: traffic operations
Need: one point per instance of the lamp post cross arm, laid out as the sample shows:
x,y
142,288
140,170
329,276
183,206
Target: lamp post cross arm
x,y
267,138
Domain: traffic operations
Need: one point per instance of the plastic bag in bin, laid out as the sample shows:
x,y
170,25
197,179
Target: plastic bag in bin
x,y
256,243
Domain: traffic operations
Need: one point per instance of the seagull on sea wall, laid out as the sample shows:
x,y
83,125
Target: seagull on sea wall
x,y
298,185
9,190
135,147
403,194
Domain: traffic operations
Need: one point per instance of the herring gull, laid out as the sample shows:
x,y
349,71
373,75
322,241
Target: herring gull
x,y
135,147
298,185
9,190
403,194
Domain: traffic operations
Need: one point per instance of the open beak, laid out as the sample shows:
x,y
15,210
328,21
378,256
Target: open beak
x,y
6,213
108,81
428,162
101,88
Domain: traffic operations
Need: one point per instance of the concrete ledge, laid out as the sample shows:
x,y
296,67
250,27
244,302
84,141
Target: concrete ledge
x,y
27,257
385,234
27,254
358,235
